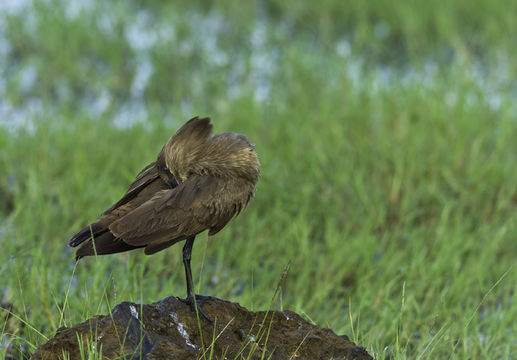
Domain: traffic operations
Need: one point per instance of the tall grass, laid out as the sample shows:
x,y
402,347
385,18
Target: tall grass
x,y
386,134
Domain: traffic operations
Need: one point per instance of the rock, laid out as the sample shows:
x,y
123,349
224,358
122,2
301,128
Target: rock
x,y
169,329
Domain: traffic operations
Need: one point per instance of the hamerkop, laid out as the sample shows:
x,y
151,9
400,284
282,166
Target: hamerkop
x,y
197,183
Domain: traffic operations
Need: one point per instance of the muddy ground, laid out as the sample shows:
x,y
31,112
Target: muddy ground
x,y
169,329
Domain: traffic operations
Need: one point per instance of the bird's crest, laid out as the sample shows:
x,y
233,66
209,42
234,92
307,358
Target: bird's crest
x,y
185,145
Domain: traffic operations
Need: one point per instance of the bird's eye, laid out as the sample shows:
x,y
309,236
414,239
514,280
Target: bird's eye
x,y
164,168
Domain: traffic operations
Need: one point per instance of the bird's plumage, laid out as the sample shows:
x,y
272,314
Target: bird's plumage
x,y
197,183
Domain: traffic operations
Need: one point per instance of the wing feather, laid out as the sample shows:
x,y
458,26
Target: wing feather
x,y
173,215
146,183
103,244
145,177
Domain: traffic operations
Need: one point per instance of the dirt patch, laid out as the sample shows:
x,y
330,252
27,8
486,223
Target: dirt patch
x,y
169,329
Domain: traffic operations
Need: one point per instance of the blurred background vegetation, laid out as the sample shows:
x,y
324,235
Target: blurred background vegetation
x,y
386,132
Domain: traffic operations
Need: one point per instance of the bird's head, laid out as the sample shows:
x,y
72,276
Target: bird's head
x,y
164,172
191,151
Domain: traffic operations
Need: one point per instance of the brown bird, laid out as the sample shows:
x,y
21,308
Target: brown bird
x,y
197,183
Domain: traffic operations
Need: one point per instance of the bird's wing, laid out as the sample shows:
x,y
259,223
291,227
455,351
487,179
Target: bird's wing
x,y
175,214
146,176
147,183
103,244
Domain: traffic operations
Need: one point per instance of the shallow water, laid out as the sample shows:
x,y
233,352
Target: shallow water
x,y
254,66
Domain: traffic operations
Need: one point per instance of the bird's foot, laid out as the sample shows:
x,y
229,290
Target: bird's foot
x,y
199,300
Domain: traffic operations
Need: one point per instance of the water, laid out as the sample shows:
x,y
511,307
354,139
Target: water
x,y
146,34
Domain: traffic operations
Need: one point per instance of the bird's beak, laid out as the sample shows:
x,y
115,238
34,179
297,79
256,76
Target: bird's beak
x,y
174,182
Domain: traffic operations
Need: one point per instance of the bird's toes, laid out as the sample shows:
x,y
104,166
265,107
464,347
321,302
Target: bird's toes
x,y
196,306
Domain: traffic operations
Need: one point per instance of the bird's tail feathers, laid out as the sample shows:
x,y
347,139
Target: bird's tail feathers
x,y
103,244
85,234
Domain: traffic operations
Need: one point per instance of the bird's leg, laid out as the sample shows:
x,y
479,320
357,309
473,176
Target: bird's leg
x,y
187,254
192,299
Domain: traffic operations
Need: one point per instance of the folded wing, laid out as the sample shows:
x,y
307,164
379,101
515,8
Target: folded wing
x,y
176,214
142,189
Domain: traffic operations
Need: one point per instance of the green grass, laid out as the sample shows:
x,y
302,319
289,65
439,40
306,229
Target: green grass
x,y
386,134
